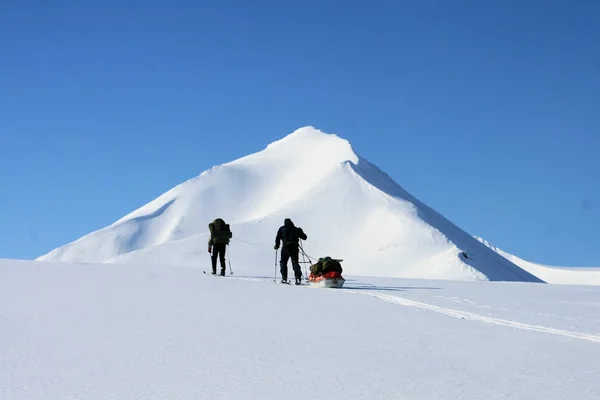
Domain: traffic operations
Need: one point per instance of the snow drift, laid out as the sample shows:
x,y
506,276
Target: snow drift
x,y
552,274
347,206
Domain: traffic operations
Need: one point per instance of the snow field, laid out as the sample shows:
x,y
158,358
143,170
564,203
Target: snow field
x,y
121,331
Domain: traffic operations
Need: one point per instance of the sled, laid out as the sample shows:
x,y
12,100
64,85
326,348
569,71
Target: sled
x,y
328,280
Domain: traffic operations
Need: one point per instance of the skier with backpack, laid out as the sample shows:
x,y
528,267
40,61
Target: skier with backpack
x,y
289,235
220,234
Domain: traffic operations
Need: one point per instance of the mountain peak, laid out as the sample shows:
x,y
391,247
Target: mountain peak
x,y
305,149
309,135
348,208
308,131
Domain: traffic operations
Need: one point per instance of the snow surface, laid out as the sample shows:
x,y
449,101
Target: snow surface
x,y
75,331
347,206
552,274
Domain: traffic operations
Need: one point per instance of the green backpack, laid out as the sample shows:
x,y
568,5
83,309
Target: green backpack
x,y
316,269
220,233
325,265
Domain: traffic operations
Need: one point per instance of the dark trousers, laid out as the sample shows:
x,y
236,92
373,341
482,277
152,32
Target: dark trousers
x,y
290,251
218,251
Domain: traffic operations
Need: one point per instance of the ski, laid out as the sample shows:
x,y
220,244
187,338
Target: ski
x,y
206,273
289,282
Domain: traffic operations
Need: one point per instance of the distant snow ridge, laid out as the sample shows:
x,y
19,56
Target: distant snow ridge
x,y
347,206
551,274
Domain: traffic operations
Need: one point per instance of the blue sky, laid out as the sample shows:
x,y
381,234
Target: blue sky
x,y
487,111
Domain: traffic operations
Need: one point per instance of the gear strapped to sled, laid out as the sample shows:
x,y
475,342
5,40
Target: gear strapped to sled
x,y
326,272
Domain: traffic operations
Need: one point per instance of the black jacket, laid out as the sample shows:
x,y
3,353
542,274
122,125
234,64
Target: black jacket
x,y
289,234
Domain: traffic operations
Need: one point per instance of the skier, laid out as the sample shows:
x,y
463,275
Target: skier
x,y
289,235
220,233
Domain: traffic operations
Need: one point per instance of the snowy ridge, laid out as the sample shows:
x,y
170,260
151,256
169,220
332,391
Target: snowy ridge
x,y
347,206
551,274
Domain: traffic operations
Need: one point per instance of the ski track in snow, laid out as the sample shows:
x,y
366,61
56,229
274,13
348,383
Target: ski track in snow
x,y
481,318
451,312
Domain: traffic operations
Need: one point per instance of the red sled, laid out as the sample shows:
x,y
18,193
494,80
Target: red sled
x,y
328,280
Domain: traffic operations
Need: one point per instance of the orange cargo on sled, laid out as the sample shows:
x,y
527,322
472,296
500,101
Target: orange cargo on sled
x,y
328,280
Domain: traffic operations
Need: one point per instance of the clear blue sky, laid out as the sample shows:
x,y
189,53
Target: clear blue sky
x,y
487,111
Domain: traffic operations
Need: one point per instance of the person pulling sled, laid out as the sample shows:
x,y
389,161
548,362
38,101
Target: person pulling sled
x,y
220,235
326,272
289,235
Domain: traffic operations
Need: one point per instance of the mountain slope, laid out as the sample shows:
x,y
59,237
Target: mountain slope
x,y
122,332
552,274
346,205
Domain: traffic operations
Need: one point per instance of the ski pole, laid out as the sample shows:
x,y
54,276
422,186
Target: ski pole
x,y
229,262
275,272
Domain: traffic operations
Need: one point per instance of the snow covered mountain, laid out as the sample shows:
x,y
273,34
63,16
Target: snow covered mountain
x,y
551,274
347,206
